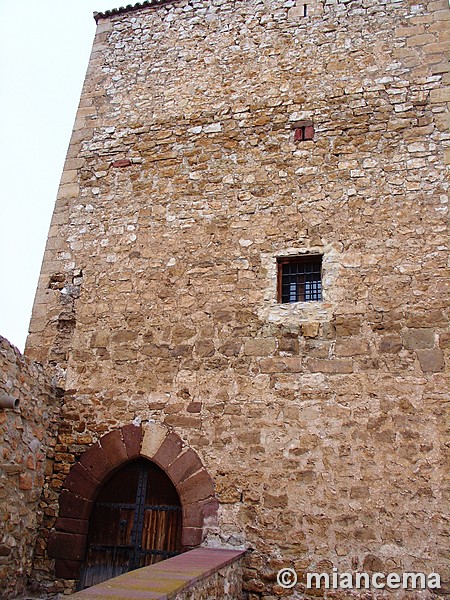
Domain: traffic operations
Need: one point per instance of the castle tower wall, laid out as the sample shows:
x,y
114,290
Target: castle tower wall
x,y
320,423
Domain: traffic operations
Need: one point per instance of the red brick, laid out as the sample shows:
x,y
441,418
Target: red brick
x,y
114,448
309,132
191,537
73,506
132,438
168,451
123,162
70,546
96,462
197,487
184,466
81,482
298,134
67,569
72,525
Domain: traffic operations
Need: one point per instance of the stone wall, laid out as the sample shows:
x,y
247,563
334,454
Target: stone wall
x,y
200,574
321,424
225,583
28,434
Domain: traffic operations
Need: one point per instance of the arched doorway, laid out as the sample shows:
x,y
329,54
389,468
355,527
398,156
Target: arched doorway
x,y
67,542
135,522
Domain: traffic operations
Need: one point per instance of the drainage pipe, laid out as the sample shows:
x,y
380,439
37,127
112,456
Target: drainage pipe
x,y
7,401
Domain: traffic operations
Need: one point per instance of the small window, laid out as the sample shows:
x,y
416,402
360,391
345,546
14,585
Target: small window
x,y
304,132
300,278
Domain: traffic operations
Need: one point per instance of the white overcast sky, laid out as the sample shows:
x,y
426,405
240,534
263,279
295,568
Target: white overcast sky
x,y
44,52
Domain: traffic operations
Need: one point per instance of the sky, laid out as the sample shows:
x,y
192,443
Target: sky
x,y
44,52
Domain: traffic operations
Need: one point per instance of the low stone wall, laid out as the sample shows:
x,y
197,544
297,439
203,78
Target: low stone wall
x,y
200,574
28,434
225,583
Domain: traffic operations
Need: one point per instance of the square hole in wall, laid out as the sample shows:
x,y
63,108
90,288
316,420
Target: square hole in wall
x,y
304,132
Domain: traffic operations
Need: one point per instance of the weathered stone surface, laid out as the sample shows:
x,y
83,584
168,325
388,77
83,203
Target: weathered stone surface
x,y
184,466
72,525
169,450
192,536
74,507
321,423
67,569
431,361
330,366
28,438
115,450
259,347
419,338
82,482
67,545
95,461
152,439
192,515
351,347
205,348
391,344
132,438
196,487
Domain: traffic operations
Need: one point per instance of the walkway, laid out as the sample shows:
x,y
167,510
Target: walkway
x,y
169,578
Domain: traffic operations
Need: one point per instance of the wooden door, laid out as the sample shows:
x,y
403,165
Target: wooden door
x,y
135,522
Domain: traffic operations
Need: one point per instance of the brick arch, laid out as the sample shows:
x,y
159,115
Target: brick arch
x,y
67,542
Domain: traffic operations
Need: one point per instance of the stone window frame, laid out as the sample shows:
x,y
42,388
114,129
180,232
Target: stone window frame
x,y
319,311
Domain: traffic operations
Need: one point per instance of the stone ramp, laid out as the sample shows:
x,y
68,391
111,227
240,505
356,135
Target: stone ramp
x,y
214,572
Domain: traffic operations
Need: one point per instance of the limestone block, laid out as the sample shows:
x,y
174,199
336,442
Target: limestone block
x,y
391,344
259,347
68,190
418,338
310,330
431,361
153,437
100,339
318,365
351,347
205,348
440,95
296,12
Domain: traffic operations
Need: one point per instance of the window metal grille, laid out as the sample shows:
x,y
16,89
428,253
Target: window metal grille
x,y
300,279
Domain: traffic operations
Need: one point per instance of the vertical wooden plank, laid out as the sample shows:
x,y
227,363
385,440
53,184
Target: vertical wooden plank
x,y
122,528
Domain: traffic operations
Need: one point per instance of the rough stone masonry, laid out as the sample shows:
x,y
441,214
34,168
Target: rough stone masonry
x,y
321,424
28,437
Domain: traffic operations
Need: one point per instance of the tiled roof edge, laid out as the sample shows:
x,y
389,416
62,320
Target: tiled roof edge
x,y
130,8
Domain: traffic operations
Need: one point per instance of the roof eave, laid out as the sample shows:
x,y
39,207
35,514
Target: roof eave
x,y
131,8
